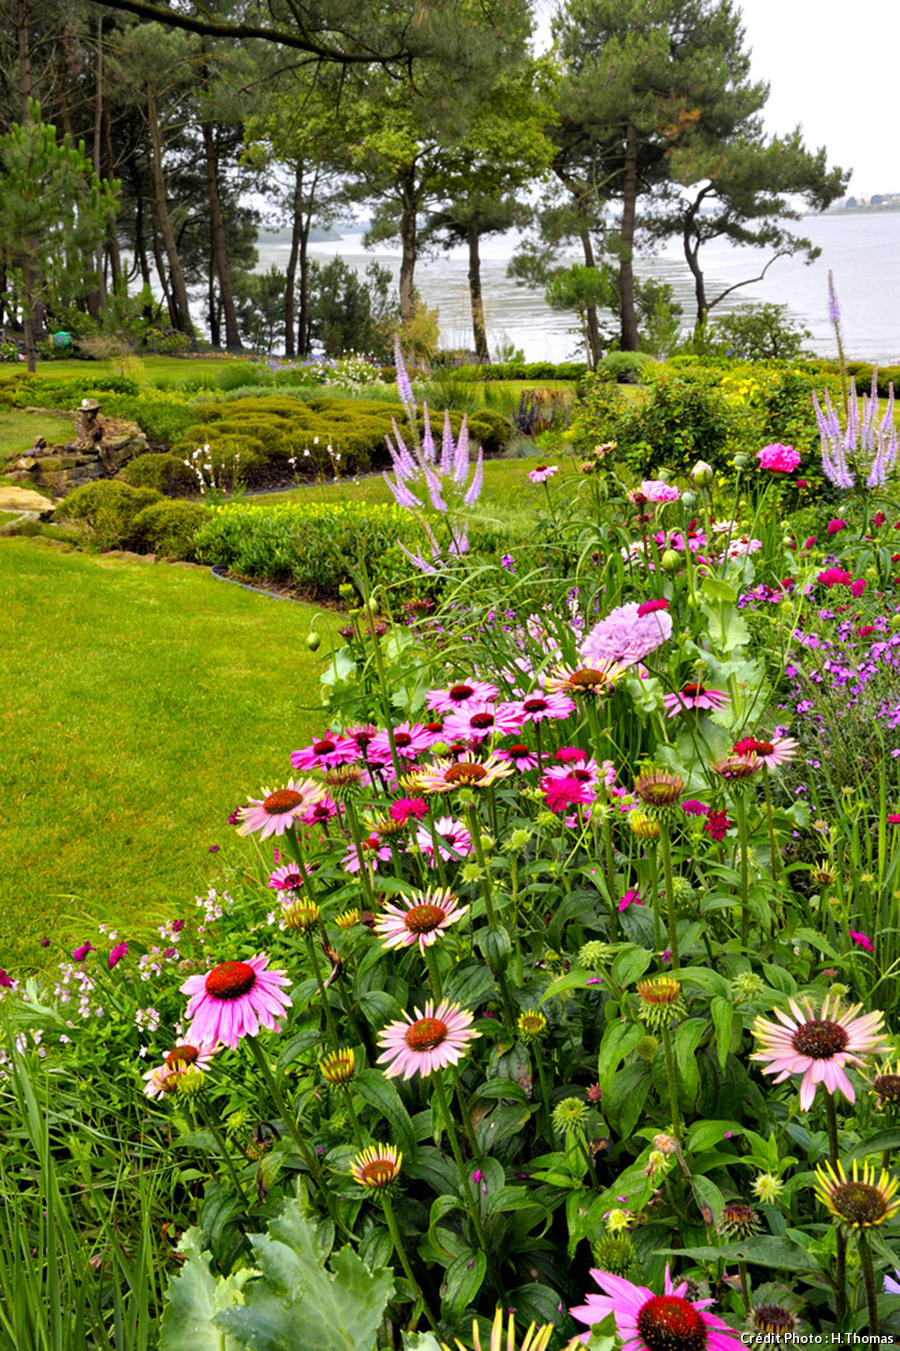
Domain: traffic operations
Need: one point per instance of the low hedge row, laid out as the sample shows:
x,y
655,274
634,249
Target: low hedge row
x,y
521,370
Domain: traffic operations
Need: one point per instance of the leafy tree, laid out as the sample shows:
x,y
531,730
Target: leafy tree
x,y
259,300
54,211
760,333
349,314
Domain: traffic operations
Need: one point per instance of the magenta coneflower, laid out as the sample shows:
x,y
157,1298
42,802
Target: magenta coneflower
x,y
275,813
772,753
520,755
287,878
163,1079
373,851
234,1000
329,750
410,739
478,722
648,1322
419,919
694,696
463,692
430,1041
543,704
818,1046
543,473
567,791
625,636
453,840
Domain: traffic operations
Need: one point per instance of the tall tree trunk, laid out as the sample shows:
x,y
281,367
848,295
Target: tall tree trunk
x,y
594,345
290,280
217,237
409,199
179,305
303,319
96,293
112,242
691,251
478,328
24,57
29,307
212,303
629,337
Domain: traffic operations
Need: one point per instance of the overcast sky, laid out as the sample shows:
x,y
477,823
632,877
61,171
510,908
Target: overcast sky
x,y
833,68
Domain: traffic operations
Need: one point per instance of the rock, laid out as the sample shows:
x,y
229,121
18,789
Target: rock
x,y
23,499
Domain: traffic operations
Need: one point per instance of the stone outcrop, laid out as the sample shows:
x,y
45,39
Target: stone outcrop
x,y
100,448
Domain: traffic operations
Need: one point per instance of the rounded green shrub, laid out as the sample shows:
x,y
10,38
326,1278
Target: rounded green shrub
x,y
170,528
109,510
165,472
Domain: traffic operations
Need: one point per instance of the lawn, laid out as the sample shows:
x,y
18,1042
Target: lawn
x,y
139,700
19,429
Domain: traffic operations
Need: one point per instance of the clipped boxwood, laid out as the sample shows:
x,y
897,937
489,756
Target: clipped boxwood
x,y
166,473
170,528
109,509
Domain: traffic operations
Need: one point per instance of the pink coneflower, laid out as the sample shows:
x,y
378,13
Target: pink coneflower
x,y
329,750
632,897
694,696
163,1079
625,636
430,1041
234,1000
373,852
772,753
861,940
453,840
287,878
648,1322
818,1046
419,919
320,811
275,813
410,739
562,793
444,775
478,722
543,473
454,696
540,705
520,755
780,459
361,734
402,808
116,955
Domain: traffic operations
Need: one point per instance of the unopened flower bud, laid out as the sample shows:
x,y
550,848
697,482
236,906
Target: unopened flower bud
x,y
702,474
671,561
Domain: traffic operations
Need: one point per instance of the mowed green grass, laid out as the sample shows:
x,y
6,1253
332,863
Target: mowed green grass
x,y
141,704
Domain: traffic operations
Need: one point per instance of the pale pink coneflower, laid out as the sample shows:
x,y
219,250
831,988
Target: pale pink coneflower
x,y
625,636
648,1322
453,840
520,755
410,739
275,813
542,704
444,774
694,696
431,1041
287,878
461,692
234,1000
818,1045
543,472
163,1079
421,918
778,751
326,752
478,722
372,850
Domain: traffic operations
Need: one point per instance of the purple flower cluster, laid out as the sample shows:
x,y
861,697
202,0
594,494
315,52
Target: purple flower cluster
x,y
864,448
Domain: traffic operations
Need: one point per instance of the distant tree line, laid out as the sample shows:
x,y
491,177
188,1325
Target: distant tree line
x,y
136,137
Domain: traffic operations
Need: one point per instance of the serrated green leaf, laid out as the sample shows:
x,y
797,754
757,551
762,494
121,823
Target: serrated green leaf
x,y
193,1299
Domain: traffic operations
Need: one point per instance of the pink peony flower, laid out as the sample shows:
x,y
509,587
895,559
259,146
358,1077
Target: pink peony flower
x,y
655,490
234,1000
625,636
778,458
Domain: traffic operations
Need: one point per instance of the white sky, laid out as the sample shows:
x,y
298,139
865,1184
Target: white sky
x,y
834,68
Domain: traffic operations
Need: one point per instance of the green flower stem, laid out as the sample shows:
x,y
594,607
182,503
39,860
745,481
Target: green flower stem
x,y
400,1249
654,885
330,1028
306,1152
773,847
671,1080
745,1286
545,1090
464,1114
434,973
537,737
586,1154
865,1261
840,1261
354,1119
609,858
471,1203
216,1133
295,850
740,811
665,849
357,845
486,889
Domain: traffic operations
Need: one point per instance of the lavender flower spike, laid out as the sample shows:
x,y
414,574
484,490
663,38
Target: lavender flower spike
x,y
474,487
403,496
404,387
446,446
834,313
461,455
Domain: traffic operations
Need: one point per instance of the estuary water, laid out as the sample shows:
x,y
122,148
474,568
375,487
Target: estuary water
x,y
862,249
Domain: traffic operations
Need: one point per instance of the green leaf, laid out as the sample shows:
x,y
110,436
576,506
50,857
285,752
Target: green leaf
x,y
378,1007
630,964
764,1251
704,1134
624,1100
706,1193
576,979
193,1299
463,1281
469,983
874,1145
722,1016
688,1036
718,589
381,1094
501,1088
619,1040
295,1300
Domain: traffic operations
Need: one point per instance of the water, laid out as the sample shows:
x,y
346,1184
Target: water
x,y
860,249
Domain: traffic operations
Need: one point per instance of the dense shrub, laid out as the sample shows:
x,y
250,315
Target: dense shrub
x,y
308,545
170,528
523,370
165,473
162,414
626,367
109,509
25,391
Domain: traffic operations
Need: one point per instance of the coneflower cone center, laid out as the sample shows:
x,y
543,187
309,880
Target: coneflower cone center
x,y
519,749
669,1323
230,980
763,748
859,1203
181,1055
425,1034
535,705
284,800
887,1086
481,721
378,1173
820,1039
587,678
421,919
693,691
323,747
402,739
459,693
467,772
772,1318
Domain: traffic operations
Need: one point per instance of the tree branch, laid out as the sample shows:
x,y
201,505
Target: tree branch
x,y
783,253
